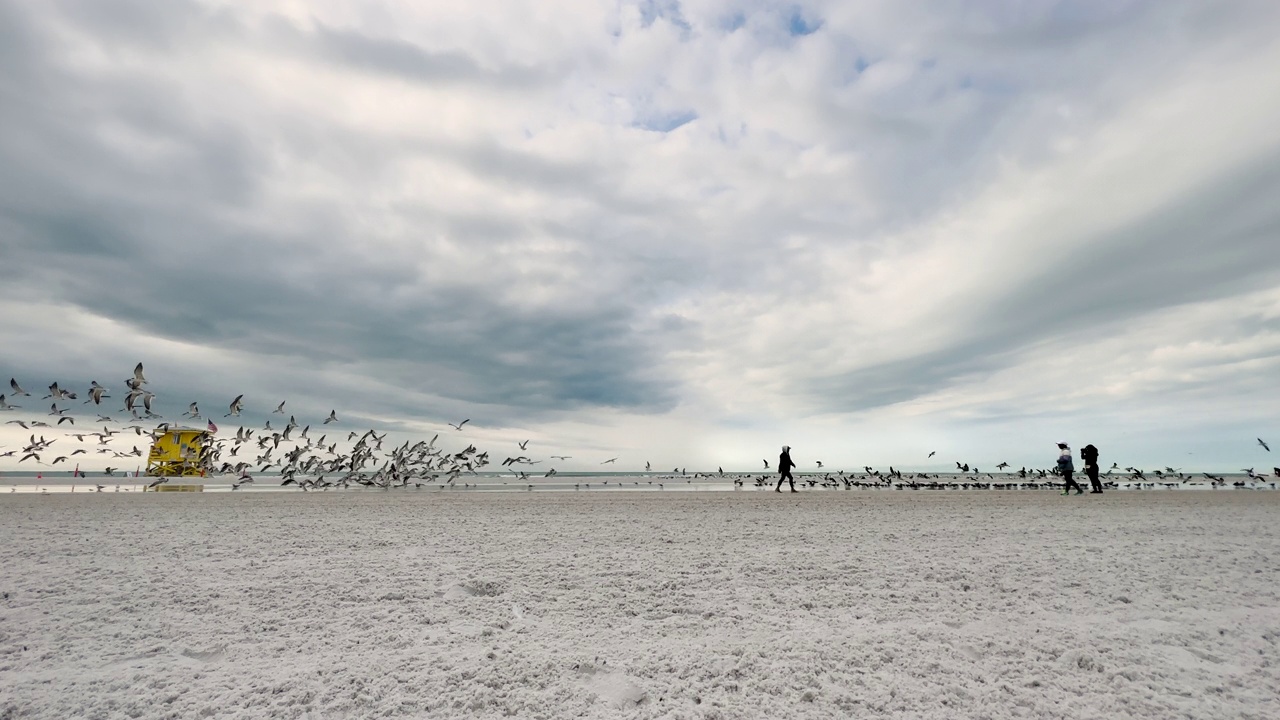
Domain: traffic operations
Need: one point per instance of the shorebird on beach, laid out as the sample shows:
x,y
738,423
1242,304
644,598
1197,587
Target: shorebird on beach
x,y
13,383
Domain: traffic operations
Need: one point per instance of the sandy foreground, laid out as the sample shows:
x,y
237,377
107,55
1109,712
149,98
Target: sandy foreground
x,y
640,605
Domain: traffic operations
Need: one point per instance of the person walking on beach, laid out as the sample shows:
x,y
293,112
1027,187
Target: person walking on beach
x,y
784,469
1067,467
1089,454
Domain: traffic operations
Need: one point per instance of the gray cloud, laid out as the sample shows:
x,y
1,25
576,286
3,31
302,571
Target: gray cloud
x,y
559,239
1157,262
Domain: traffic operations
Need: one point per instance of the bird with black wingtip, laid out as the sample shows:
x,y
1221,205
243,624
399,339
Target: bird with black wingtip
x,y
784,469
1066,466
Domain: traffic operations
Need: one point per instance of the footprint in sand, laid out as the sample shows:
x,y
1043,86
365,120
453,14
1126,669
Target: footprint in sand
x,y
613,688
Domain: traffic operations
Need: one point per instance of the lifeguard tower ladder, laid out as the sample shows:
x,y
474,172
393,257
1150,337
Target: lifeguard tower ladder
x,y
178,452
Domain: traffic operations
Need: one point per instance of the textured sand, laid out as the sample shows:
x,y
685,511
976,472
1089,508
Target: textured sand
x,y
644,605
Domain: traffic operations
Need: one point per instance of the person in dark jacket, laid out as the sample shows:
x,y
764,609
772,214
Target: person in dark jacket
x,y
1089,454
784,469
1067,467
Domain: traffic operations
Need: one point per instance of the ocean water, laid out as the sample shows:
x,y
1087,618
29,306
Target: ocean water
x,y
487,482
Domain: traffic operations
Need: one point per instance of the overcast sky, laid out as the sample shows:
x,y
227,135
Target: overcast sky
x,y
676,232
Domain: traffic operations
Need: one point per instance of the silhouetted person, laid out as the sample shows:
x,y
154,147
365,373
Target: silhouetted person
x,y
784,469
1067,467
1089,454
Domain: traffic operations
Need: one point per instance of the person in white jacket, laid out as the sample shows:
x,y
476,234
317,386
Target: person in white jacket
x,y
1066,466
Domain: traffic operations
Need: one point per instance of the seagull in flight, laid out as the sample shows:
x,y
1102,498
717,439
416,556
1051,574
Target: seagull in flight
x,y
459,425
57,393
96,393
1264,445
333,417
523,445
13,383
193,411
606,462
235,407
561,457
647,466
137,375
6,406
279,408
766,464
935,452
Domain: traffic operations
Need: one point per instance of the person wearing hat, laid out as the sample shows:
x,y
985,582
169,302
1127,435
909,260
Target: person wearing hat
x,y
1066,467
784,469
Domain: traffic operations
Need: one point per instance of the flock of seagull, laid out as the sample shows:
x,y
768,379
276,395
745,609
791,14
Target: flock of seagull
x,y
318,463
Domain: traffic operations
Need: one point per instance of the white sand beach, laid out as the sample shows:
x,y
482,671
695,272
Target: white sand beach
x,y
640,605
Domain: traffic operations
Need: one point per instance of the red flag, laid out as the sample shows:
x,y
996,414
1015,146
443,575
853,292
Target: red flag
x,y
212,428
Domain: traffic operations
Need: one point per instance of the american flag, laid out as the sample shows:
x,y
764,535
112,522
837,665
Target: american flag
x,y
212,428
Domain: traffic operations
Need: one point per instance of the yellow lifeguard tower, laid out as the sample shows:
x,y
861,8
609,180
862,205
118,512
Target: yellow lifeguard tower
x,y
178,452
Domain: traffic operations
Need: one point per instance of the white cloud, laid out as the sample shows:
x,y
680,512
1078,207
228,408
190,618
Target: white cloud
x,y
912,220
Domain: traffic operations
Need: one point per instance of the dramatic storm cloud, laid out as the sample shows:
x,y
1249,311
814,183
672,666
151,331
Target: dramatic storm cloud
x,y
678,232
